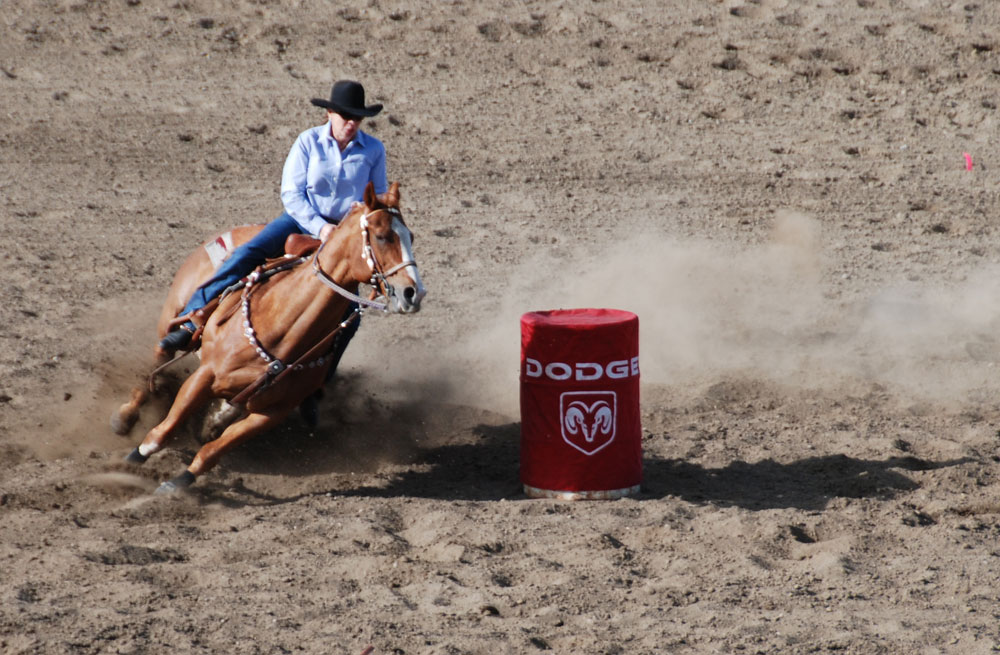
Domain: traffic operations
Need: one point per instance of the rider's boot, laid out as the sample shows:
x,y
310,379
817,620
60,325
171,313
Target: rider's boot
x,y
177,339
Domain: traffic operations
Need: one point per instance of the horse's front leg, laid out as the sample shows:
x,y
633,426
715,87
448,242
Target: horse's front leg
x,y
194,393
243,429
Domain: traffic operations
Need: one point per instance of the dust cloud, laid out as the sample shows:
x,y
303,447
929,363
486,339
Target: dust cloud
x,y
710,310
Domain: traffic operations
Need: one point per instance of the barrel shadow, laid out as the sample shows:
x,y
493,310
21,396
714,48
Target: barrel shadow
x,y
488,470
808,484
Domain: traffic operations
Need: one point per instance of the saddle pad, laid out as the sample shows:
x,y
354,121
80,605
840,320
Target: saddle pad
x,y
219,249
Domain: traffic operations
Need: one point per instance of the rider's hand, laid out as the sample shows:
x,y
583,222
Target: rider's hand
x,y
325,231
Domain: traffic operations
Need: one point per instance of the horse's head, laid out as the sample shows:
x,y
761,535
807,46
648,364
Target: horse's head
x,y
386,258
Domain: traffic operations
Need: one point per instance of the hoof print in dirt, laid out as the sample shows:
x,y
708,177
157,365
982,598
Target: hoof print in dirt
x,y
136,555
918,520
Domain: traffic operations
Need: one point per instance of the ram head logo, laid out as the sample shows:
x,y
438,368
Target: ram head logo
x,y
588,419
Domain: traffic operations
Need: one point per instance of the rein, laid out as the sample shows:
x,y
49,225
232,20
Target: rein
x,y
328,281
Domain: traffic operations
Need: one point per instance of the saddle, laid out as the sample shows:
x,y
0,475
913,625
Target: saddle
x,y
300,245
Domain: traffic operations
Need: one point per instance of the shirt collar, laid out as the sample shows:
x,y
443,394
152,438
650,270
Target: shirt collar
x,y
360,138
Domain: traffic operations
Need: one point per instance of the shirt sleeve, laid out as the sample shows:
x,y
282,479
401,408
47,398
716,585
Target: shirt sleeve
x,y
378,174
293,188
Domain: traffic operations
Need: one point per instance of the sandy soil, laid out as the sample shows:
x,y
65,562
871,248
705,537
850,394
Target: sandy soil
x,y
778,189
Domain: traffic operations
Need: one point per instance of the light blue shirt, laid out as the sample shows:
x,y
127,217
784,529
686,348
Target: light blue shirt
x,y
320,183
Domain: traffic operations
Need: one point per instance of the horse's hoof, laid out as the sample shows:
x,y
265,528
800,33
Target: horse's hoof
x,y
135,457
180,483
121,423
309,411
166,489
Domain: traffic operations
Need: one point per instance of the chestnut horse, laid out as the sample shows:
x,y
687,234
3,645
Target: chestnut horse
x,y
265,349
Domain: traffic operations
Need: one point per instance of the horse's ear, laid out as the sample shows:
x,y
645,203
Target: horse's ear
x,y
391,197
370,197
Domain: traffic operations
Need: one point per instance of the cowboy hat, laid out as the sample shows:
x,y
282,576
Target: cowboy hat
x,y
348,97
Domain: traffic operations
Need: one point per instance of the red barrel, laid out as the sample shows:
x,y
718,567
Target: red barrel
x,y
581,432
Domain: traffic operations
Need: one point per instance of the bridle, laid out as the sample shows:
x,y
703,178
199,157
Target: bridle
x,y
379,277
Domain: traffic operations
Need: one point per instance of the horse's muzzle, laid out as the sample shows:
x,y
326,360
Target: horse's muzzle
x,y
407,300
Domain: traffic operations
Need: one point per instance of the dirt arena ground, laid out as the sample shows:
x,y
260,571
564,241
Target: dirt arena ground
x,y
782,192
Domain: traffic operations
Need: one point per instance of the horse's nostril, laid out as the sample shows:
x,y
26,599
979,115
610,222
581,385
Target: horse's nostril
x,y
409,293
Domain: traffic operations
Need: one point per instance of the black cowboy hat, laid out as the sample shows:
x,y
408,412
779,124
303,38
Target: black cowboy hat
x,y
348,97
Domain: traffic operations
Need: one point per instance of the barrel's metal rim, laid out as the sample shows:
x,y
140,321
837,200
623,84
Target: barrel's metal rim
x,y
606,494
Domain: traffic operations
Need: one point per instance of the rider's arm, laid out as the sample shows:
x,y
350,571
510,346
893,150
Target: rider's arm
x,y
378,174
293,187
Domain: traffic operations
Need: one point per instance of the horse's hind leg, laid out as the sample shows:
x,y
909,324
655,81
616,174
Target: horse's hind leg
x,y
243,429
194,393
217,420
123,418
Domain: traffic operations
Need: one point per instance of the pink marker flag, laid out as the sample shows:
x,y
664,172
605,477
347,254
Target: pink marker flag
x,y
968,161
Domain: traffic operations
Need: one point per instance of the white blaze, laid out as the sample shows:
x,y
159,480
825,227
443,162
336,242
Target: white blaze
x,y
406,246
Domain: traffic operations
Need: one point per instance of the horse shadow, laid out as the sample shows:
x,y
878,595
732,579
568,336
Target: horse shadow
x,y
485,468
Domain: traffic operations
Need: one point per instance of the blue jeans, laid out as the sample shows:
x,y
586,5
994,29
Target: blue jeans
x,y
268,243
